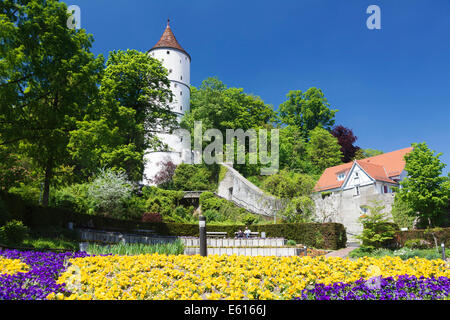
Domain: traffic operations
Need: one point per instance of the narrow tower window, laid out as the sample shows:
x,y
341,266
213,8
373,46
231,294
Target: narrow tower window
x,y
168,52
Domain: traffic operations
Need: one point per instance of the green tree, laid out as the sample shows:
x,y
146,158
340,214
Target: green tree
x,y
366,153
289,185
222,108
133,102
323,150
306,111
376,227
47,78
425,190
192,177
293,151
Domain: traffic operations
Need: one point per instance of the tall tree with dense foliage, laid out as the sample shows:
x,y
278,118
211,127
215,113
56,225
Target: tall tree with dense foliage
x,y
323,150
425,190
47,78
306,111
222,108
122,124
346,140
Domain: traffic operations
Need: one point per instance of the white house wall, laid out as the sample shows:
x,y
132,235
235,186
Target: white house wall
x,y
357,177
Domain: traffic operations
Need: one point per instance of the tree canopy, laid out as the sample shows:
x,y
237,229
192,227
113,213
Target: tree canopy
x,y
306,111
133,103
47,78
425,190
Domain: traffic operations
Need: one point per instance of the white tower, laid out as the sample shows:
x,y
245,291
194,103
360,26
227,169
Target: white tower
x,y
177,61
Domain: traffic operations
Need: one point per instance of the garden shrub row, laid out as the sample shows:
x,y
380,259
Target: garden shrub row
x,y
442,236
318,235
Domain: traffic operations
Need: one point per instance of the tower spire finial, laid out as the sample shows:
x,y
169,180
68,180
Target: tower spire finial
x,y
168,21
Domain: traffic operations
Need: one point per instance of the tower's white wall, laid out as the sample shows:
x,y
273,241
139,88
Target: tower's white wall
x,y
178,65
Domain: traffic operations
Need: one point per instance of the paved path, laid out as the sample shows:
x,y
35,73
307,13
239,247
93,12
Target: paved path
x,y
343,253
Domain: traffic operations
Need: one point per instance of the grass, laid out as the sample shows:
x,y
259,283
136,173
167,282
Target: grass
x,y
403,253
175,247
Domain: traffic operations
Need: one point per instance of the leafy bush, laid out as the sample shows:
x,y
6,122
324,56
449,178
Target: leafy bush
x,y
193,177
151,217
4,213
291,243
289,185
403,253
299,209
212,215
417,244
377,230
108,192
13,232
73,197
250,219
402,214
28,192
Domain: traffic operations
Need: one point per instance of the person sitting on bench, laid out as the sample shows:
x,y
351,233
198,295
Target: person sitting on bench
x,y
240,234
247,232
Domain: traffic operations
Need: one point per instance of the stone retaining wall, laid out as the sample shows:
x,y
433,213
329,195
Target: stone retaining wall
x,y
279,252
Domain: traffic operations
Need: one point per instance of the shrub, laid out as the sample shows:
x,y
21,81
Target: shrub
x,y
212,215
152,217
250,219
417,244
108,192
72,197
29,193
192,177
13,232
4,213
291,243
299,209
286,184
181,212
377,231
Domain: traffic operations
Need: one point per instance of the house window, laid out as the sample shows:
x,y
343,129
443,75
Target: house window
x,y
363,209
168,52
170,71
357,191
341,176
385,189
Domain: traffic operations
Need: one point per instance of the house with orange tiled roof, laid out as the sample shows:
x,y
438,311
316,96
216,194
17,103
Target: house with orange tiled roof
x,y
344,191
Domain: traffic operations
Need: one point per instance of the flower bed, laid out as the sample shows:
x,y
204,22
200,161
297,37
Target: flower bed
x,y
37,275
403,288
230,277
36,278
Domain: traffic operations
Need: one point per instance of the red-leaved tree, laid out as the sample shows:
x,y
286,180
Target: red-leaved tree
x,y
346,140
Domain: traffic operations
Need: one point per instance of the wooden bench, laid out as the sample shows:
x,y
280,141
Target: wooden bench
x,y
251,235
216,234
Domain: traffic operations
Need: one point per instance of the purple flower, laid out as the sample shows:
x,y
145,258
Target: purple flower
x,y
40,280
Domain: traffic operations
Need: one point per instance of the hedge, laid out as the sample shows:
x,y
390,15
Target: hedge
x,y
442,236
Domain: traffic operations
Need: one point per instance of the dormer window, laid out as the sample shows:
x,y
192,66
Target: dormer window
x,y
341,176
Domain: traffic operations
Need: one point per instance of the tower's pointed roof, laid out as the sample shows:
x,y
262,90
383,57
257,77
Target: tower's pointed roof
x,y
168,40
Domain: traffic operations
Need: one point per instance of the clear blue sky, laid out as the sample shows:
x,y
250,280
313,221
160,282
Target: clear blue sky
x,y
391,86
